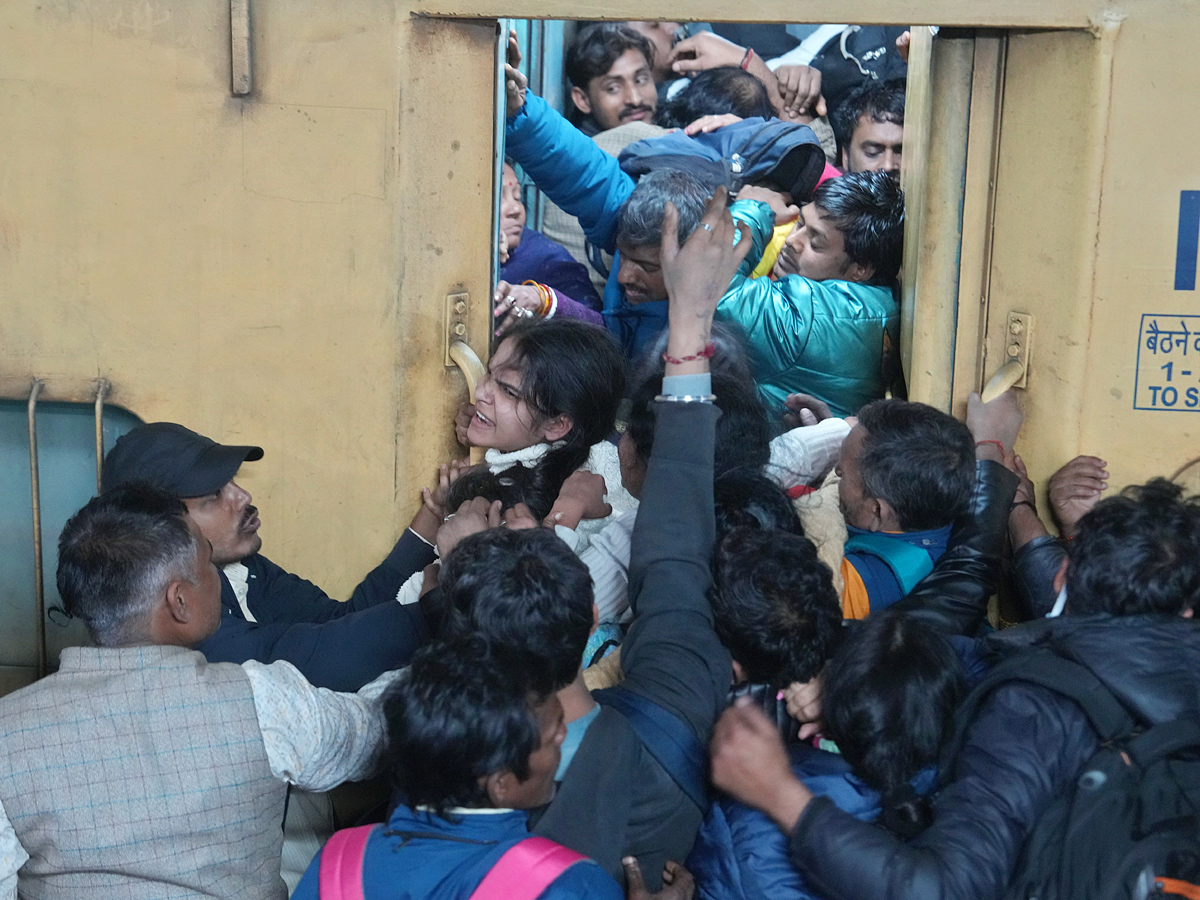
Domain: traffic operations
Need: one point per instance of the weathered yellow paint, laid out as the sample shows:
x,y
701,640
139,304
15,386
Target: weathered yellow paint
x,y
267,270
274,269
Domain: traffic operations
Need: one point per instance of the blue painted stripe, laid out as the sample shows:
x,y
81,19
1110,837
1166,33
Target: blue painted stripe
x,y
1189,241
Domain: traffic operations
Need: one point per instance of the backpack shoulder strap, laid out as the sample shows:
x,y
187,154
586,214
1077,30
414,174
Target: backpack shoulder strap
x,y
525,870
667,737
1048,670
339,876
908,563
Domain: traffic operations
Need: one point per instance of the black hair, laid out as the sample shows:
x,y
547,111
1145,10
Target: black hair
x,y
881,101
460,712
639,223
868,209
774,605
725,89
117,554
567,368
746,498
919,459
524,591
597,46
1137,553
479,482
743,432
888,699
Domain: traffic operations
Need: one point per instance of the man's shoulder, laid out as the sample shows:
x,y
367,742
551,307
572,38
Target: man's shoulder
x,y
850,299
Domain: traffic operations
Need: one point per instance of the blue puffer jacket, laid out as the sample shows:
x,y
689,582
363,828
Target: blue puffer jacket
x,y
570,169
740,854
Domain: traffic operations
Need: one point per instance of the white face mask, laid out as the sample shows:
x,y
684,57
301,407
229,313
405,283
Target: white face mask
x,y
1060,604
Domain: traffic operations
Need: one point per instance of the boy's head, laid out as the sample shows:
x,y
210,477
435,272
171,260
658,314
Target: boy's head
x,y
905,467
774,606
714,92
610,67
869,127
888,700
1137,553
466,729
525,592
743,431
853,230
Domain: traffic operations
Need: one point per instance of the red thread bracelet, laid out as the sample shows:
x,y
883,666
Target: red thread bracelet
x,y
746,59
706,353
999,444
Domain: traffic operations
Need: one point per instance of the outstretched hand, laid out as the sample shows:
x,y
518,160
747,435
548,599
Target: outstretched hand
x,y
750,764
697,275
515,82
1075,489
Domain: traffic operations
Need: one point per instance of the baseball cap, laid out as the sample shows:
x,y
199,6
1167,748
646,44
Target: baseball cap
x,y
173,459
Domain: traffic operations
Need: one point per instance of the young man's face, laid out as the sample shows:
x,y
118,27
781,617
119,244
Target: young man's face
x,y
227,519
640,273
625,93
815,249
874,147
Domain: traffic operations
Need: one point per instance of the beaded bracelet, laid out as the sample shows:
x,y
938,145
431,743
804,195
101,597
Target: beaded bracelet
x,y
707,353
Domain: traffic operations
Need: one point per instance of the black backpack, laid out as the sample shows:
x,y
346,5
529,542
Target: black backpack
x,y
1129,827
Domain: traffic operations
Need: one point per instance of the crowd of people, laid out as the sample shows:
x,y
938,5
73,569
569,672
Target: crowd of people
x,y
710,618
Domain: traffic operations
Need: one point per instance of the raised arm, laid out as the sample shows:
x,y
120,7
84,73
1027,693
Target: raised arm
x,y
565,163
672,654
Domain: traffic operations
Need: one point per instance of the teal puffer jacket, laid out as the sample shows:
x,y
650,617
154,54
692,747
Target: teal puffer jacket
x,y
836,340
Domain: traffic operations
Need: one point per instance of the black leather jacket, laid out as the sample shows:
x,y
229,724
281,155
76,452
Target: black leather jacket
x,y
953,597
1024,747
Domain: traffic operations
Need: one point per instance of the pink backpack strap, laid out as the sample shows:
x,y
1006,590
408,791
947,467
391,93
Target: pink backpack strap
x,y
526,870
340,876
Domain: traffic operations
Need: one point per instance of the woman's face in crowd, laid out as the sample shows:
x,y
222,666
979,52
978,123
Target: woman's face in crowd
x,y
512,210
503,420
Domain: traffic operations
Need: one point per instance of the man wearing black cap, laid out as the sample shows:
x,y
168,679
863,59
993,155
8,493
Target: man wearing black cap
x,y
268,613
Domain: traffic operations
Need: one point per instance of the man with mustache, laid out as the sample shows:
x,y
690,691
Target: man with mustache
x,y
610,67
267,613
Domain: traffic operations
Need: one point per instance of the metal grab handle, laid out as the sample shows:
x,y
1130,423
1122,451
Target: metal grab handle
x,y
474,372
35,493
1010,373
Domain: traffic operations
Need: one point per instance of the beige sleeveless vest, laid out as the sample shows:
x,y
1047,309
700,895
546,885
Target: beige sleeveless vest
x,y
141,773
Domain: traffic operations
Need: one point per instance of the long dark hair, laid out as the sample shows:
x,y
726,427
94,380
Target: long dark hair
x,y
567,368
889,696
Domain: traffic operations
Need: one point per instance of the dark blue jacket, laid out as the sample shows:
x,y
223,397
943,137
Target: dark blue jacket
x,y
740,854
538,258
1023,748
340,646
420,856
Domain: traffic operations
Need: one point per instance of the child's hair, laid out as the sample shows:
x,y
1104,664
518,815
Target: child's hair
x,y
567,368
774,605
743,432
458,713
889,697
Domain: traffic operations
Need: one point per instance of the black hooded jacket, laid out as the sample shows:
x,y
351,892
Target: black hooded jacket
x,y
1025,746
